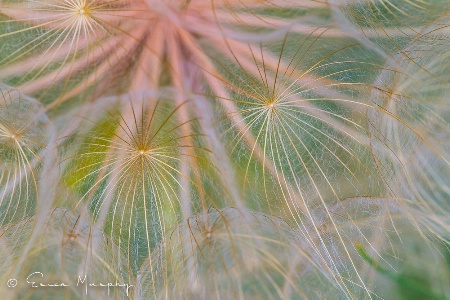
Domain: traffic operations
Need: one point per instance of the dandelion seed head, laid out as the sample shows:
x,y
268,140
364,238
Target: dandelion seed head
x,y
390,29
75,233
136,176
248,244
411,128
23,140
72,237
84,11
273,106
74,38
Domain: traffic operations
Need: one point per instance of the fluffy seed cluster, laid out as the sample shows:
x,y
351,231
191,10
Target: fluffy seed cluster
x,y
224,149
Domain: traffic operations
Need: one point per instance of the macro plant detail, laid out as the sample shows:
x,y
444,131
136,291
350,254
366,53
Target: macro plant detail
x,y
224,149
221,250
23,139
68,249
136,173
413,124
388,24
77,46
